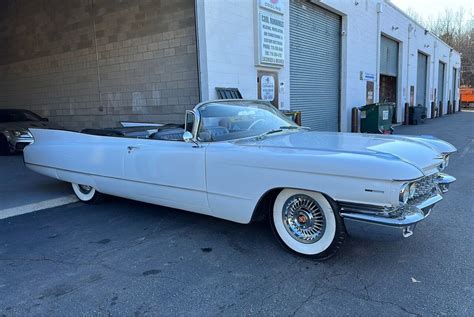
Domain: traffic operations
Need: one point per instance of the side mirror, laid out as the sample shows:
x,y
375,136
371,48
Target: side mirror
x,y
187,136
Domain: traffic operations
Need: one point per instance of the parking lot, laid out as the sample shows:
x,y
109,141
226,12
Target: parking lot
x,y
129,258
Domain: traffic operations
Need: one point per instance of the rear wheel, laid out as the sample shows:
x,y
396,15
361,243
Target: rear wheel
x,y
4,147
307,223
87,194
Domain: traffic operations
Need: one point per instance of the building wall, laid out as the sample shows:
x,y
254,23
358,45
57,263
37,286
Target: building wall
x,y
361,53
92,63
227,51
227,48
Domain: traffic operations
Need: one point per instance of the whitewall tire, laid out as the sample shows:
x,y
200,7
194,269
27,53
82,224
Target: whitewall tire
x,y
307,223
86,193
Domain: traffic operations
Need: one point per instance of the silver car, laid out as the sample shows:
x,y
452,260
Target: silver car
x,y
14,124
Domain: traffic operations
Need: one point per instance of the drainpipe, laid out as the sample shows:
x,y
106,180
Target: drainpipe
x,y
407,95
450,99
410,29
377,58
433,102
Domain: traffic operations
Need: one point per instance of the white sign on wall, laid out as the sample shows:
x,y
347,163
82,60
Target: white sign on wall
x,y
274,5
271,38
267,88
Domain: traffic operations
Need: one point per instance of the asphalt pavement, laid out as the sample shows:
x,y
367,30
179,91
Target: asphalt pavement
x,y
23,191
129,258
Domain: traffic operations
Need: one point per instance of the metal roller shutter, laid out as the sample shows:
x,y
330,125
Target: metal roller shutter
x,y
441,81
388,57
315,59
421,79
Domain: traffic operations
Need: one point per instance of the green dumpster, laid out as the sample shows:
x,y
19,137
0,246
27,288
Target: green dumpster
x,y
377,118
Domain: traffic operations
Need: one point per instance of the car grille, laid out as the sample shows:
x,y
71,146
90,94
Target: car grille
x,y
425,188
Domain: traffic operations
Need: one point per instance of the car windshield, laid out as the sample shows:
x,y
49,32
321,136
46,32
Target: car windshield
x,y
18,115
229,120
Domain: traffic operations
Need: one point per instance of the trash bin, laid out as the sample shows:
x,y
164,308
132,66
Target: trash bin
x,y
377,118
417,114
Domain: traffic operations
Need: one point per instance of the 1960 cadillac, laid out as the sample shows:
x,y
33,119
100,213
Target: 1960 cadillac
x,y
243,160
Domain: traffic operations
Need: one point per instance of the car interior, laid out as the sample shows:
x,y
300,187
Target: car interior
x,y
167,132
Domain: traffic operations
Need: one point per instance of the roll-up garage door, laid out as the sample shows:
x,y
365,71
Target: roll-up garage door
x,y
441,82
315,60
388,57
421,79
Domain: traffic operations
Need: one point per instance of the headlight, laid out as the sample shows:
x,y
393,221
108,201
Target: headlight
x,y
405,193
412,190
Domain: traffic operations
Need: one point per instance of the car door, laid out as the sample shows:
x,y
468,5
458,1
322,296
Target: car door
x,y
169,173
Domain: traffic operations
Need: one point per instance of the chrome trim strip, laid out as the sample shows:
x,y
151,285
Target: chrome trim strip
x,y
406,219
430,201
445,179
411,215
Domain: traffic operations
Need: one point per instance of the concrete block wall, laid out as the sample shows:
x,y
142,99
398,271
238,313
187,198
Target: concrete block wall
x,y
92,63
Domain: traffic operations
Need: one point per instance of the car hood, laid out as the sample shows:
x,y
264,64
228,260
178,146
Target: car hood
x,y
28,124
425,152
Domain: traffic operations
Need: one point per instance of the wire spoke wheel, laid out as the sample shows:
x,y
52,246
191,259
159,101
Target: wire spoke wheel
x,y
85,189
303,218
307,223
87,193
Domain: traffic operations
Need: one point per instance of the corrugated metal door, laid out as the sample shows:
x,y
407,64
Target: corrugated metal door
x,y
441,81
315,59
421,79
388,57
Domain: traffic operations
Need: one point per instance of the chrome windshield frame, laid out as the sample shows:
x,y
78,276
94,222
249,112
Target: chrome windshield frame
x,y
198,117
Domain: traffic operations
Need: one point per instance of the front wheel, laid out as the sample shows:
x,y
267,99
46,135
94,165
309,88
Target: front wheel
x,y
307,223
87,194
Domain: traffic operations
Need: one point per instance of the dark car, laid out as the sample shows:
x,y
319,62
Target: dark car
x,y
14,124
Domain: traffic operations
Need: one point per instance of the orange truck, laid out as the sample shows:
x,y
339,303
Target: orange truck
x,y
467,97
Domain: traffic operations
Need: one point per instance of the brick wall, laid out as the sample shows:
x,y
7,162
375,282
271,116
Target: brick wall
x,y
92,63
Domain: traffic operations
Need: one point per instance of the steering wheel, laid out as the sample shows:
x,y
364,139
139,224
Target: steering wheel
x,y
255,123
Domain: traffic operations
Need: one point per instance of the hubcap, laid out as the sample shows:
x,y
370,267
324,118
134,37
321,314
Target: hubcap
x,y
85,189
304,219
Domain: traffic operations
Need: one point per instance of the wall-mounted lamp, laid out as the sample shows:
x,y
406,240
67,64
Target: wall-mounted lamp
x,y
394,28
427,45
356,3
426,32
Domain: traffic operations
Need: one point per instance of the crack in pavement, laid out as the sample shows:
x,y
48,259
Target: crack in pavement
x,y
311,296
369,299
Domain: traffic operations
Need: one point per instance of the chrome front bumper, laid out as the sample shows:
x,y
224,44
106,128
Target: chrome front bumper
x,y
367,222
18,143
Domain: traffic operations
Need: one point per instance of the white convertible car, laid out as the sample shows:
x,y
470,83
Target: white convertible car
x,y
243,160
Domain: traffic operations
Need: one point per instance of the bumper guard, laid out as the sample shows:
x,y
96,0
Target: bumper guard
x,y
367,223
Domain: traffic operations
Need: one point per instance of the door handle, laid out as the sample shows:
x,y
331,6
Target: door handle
x,y
130,148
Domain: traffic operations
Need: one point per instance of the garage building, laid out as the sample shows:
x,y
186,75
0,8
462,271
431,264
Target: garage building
x,y
94,63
